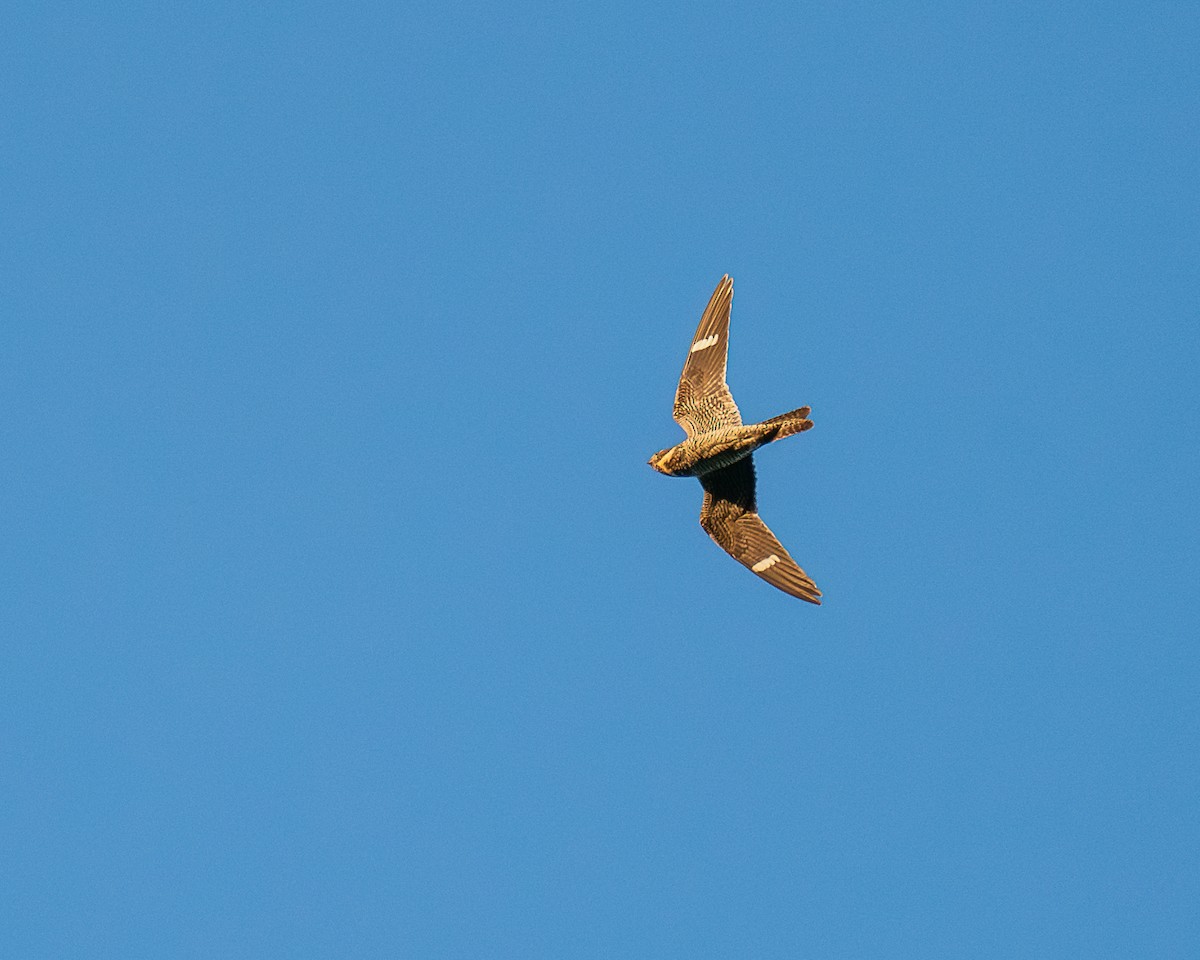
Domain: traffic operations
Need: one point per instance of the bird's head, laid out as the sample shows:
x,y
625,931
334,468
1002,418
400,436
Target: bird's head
x,y
661,461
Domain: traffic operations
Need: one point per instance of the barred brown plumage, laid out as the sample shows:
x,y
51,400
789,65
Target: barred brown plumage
x,y
718,450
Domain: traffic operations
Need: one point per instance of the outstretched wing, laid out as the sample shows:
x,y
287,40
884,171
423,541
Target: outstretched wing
x,y
703,401
730,517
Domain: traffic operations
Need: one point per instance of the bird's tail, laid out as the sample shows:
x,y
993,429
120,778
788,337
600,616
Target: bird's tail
x,y
795,421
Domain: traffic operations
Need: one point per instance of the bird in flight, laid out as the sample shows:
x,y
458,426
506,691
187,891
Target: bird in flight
x,y
718,452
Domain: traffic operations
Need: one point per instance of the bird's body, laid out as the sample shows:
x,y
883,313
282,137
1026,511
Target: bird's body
x,y
707,452
718,451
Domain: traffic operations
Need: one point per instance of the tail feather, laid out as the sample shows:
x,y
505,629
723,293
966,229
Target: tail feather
x,y
794,421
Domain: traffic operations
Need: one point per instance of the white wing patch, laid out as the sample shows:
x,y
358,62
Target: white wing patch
x,y
705,343
765,564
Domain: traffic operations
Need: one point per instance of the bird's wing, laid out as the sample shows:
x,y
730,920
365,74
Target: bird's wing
x,y
703,401
730,517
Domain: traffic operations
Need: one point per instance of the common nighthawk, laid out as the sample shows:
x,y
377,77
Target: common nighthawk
x,y
718,452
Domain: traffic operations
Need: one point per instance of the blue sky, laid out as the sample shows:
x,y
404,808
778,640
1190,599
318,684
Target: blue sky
x,y
343,616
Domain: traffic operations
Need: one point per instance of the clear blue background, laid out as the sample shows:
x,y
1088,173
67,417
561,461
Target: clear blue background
x,y
342,616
